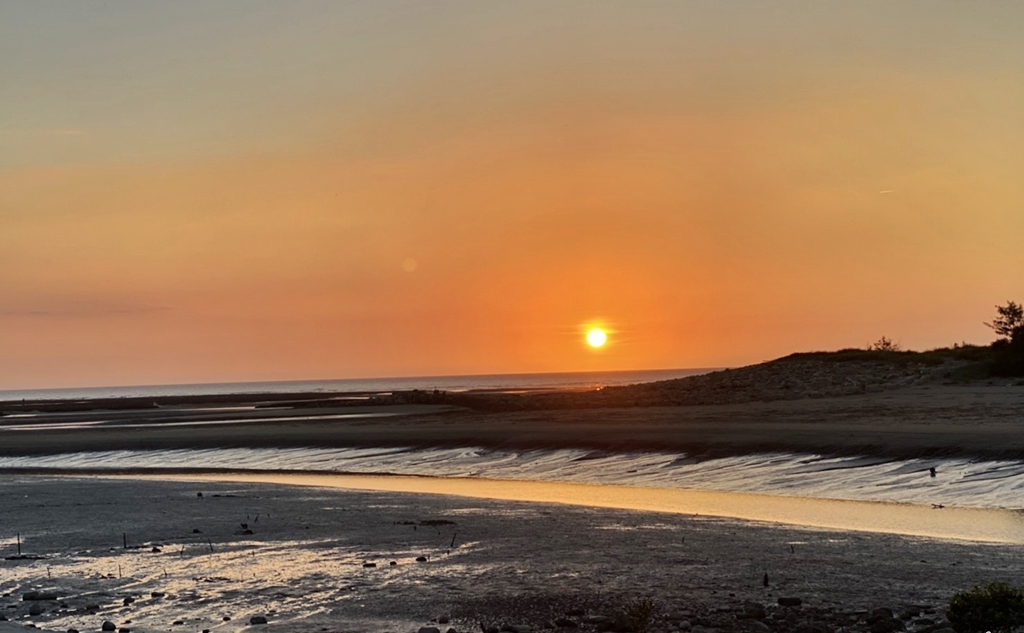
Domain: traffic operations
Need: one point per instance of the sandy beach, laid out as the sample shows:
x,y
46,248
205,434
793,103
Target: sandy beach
x,y
320,559
974,419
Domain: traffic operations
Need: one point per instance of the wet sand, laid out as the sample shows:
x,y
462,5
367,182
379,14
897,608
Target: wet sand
x,y
488,561
932,420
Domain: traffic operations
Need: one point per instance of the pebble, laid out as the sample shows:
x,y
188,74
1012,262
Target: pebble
x,y
422,559
369,565
258,619
109,626
429,629
759,627
443,620
72,630
177,623
35,609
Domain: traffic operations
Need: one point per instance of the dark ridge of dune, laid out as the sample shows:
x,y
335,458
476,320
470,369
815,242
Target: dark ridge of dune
x,y
794,377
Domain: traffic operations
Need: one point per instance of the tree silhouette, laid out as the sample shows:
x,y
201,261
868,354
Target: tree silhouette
x,y
1009,324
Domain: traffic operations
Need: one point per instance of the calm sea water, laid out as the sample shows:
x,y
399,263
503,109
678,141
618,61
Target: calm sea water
x,y
501,382
958,482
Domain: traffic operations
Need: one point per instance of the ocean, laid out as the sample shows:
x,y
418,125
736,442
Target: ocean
x,y
490,382
960,482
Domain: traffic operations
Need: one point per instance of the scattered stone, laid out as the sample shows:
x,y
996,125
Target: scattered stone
x,y
35,609
3,617
157,594
890,625
127,601
421,559
595,619
790,602
394,563
685,625
881,613
108,626
124,630
429,629
451,630
754,610
443,620
199,495
72,630
759,627
258,619
226,618
177,623
155,550
196,531
369,565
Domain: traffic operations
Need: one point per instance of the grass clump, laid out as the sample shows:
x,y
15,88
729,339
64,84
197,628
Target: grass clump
x,y
997,607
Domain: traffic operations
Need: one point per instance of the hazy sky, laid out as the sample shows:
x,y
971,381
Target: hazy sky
x,y
220,191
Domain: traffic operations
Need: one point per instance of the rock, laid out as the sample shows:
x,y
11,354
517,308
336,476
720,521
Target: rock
x,y
258,619
72,630
39,595
890,625
157,594
177,623
575,613
393,563
684,625
369,565
155,550
595,619
758,626
566,623
517,628
622,624
811,627
226,618
443,620
429,629
881,613
421,559
35,609
196,531
124,630
790,602
108,626
128,601
754,610
923,622
451,630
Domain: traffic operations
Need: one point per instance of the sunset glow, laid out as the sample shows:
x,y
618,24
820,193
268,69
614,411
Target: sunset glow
x,y
204,192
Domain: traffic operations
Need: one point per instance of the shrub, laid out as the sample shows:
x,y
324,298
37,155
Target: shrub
x,y
640,613
997,607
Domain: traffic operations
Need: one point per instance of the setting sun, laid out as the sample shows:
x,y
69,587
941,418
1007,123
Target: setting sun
x,y
597,338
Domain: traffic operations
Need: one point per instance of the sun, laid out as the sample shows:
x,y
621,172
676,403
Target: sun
x,y
596,337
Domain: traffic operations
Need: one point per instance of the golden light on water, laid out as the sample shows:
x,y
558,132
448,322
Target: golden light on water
x,y
596,337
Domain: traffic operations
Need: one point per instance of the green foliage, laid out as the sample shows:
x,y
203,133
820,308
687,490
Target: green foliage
x,y
997,607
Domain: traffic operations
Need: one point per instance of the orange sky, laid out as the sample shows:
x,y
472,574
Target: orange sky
x,y
195,193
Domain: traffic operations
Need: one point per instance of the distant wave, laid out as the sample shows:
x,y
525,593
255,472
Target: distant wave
x,y
957,482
